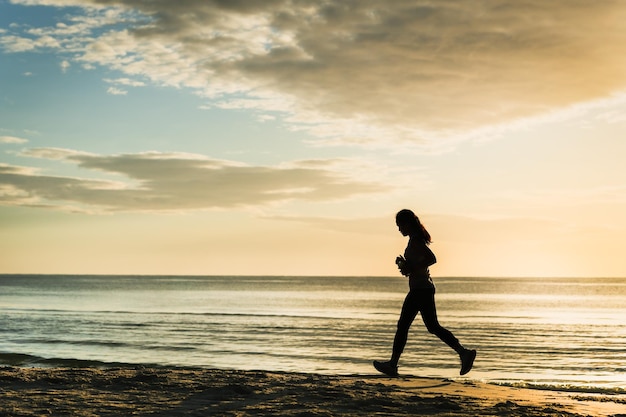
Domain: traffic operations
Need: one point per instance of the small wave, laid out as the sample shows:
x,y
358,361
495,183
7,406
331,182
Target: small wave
x,y
104,343
24,360
70,312
112,344
565,387
16,359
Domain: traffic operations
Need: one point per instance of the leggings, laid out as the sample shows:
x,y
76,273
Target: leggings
x,y
421,301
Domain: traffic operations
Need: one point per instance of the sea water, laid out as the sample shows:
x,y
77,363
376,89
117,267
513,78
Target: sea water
x,y
539,331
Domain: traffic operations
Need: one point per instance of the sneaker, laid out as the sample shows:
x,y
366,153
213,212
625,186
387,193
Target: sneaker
x,y
386,368
467,360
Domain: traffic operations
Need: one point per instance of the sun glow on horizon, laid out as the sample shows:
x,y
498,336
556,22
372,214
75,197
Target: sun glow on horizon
x,y
192,138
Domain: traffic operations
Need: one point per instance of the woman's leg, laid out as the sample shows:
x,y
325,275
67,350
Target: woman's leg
x,y
429,315
410,309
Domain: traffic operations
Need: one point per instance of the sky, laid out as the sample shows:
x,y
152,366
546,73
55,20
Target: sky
x,y
280,137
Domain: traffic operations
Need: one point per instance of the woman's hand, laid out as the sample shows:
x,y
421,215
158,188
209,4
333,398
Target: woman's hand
x,y
403,266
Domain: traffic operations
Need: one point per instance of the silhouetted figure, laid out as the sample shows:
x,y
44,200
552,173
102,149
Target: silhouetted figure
x,y
421,297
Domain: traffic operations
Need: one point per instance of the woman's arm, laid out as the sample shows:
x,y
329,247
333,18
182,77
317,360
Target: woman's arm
x,y
429,257
418,257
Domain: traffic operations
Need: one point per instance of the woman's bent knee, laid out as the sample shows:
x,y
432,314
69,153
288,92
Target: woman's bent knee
x,y
435,329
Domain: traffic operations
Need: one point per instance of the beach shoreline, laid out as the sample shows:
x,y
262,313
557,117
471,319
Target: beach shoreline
x,y
144,391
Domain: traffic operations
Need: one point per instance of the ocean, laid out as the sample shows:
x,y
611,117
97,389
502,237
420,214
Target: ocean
x,y
537,332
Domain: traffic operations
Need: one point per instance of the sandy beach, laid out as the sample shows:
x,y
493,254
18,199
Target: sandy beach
x,y
203,392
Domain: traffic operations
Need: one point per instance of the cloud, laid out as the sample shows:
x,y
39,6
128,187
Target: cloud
x,y
65,65
12,139
444,227
116,91
155,181
383,226
12,43
125,81
357,72
611,195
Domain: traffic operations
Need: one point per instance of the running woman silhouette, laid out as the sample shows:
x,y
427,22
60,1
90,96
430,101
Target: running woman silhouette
x,y
421,297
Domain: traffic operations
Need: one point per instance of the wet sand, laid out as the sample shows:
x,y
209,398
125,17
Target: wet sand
x,y
204,392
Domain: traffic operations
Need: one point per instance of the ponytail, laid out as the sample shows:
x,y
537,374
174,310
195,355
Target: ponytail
x,y
427,238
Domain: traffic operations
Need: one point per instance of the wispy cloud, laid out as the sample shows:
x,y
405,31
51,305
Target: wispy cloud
x,y
445,227
65,65
356,72
116,91
610,195
156,181
125,81
12,139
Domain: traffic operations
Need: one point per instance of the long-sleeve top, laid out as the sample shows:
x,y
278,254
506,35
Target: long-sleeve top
x,y
419,257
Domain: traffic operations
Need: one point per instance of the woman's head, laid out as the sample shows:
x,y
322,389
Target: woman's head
x,y
410,225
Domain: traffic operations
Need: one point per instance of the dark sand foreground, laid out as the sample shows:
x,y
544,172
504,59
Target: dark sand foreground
x,y
193,392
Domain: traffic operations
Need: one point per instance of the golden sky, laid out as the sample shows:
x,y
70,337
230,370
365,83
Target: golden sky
x,y
281,137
